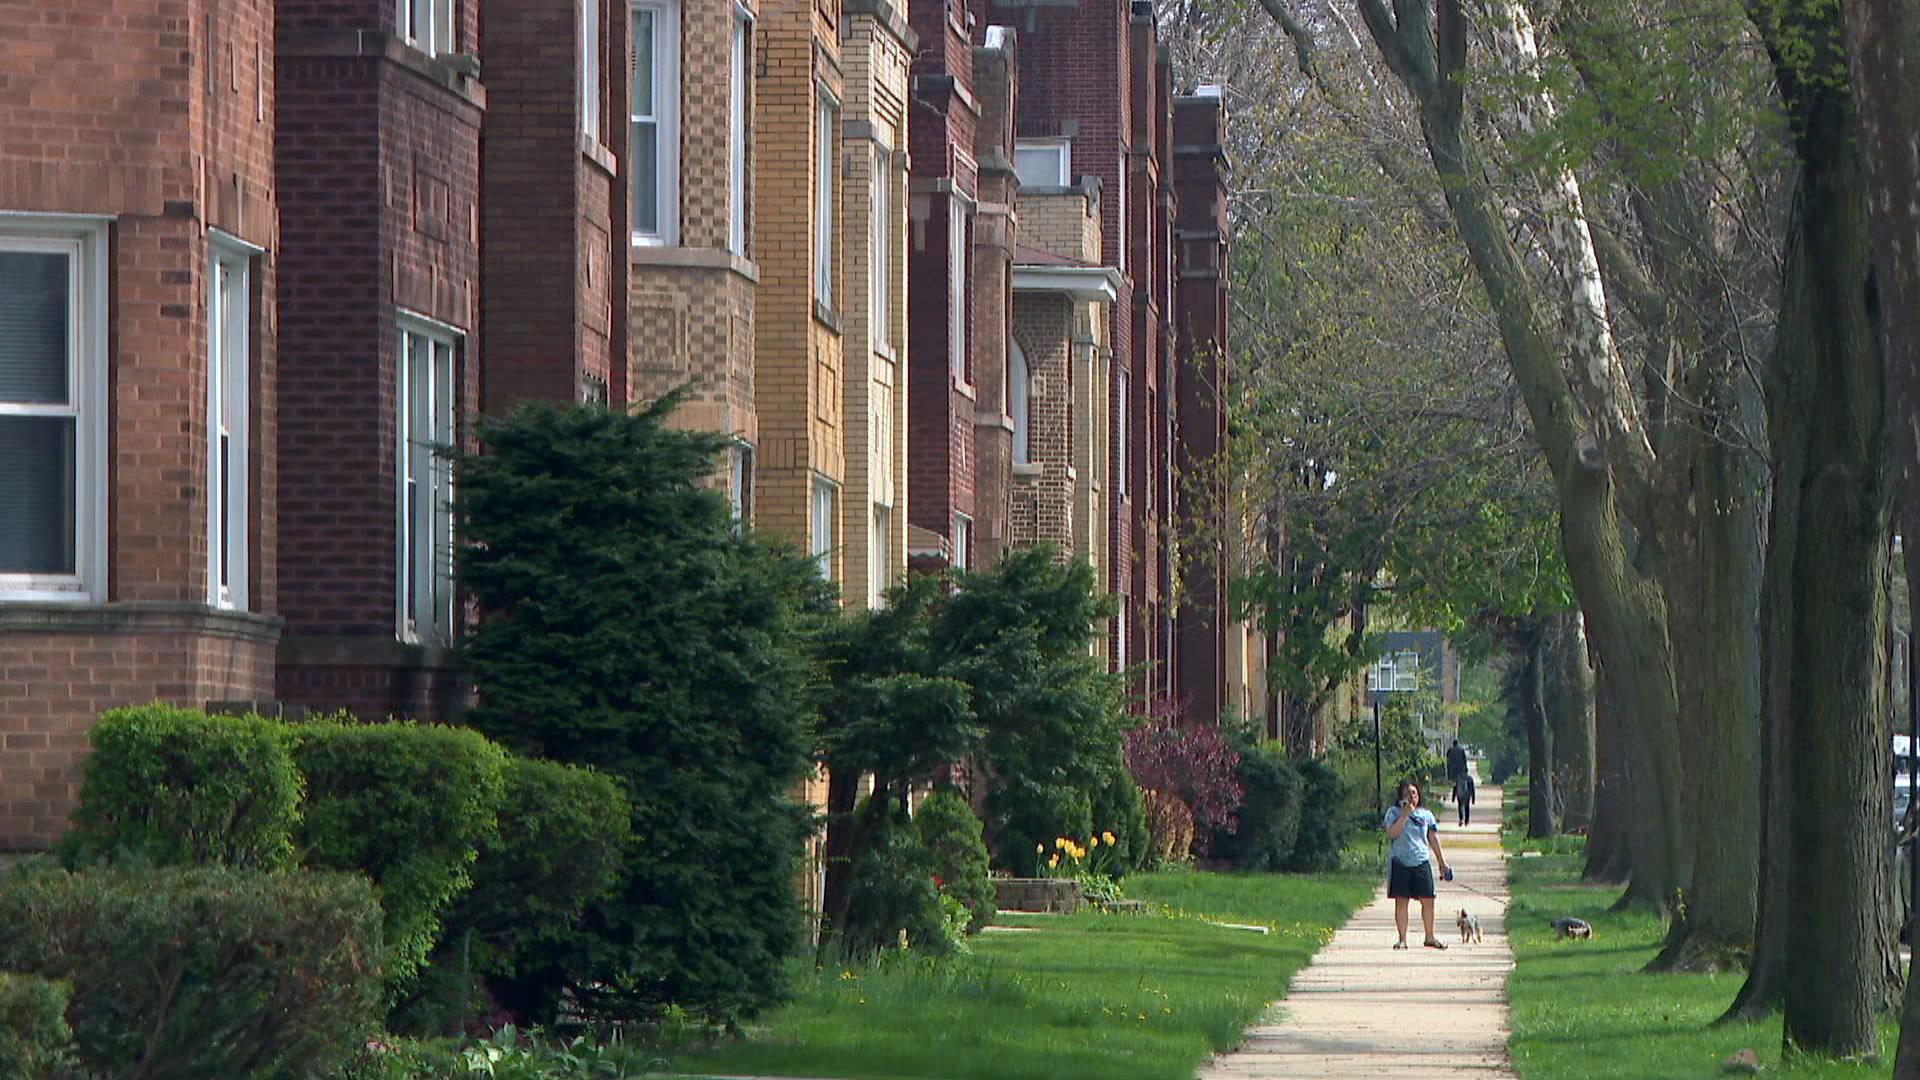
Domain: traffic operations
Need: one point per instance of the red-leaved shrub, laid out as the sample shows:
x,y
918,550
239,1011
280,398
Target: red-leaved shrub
x,y
1192,763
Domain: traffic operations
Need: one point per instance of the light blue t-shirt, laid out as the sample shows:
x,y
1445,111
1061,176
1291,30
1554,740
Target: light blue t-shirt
x,y
1410,847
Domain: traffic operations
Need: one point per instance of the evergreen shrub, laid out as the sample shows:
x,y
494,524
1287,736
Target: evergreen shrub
x,y
893,894
1270,808
185,973
1118,809
407,805
630,625
34,1037
1324,826
950,832
178,786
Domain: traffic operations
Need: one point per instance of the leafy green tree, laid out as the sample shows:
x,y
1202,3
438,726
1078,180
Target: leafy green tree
x,y
628,625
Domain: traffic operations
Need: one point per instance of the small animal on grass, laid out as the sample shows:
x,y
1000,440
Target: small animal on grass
x,y
1572,928
1469,926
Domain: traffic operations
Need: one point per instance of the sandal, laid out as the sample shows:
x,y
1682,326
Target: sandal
x,y
1435,944
1399,944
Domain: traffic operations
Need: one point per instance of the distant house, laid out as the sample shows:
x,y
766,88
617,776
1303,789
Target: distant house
x,y
1414,660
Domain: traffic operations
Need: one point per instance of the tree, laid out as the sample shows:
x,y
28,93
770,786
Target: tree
x,y
627,625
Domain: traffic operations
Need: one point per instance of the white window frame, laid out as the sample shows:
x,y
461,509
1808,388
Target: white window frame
x,y
962,542
881,243
1406,671
1020,401
83,241
957,287
740,481
738,82
590,68
826,119
1123,412
665,119
229,375
879,554
1120,634
435,38
426,393
1035,172
821,498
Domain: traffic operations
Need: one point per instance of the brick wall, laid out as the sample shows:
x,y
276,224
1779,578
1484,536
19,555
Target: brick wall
x,y
995,234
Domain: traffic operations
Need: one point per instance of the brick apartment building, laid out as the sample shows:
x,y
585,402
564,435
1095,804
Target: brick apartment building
x,y
377,156
138,375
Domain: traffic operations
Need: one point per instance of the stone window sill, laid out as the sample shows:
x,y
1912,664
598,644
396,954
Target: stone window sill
x,y
597,153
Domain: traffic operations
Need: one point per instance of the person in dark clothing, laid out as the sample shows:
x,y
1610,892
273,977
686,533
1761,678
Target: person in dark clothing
x,y
1456,762
1463,797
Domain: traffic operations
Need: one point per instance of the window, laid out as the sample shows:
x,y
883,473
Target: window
x,y
1019,387
590,67
1120,635
740,77
1120,417
52,409
957,287
229,370
1121,250
880,277
962,542
820,532
1043,162
425,578
740,481
427,25
1406,671
880,574
826,121
653,116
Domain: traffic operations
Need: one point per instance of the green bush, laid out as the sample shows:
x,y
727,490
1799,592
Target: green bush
x,y
1324,827
1270,810
561,842
179,786
34,1037
408,806
1118,809
632,627
951,834
185,973
893,890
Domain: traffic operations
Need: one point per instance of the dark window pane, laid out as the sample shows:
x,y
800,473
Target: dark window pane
x,y
36,494
33,328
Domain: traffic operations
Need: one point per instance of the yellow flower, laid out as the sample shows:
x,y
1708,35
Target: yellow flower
x,y
1053,861
1039,849
1108,837
1093,841
1060,842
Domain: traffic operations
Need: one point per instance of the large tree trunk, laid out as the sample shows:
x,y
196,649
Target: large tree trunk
x,y
1530,696
1842,970
1572,719
1608,858
1883,42
1714,599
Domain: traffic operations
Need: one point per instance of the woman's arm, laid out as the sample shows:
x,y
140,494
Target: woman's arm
x,y
1401,817
1433,841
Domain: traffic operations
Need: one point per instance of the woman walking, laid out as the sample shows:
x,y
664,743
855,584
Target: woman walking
x,y
1413,846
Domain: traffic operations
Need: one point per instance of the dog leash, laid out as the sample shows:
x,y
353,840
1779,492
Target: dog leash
x,y
1477,892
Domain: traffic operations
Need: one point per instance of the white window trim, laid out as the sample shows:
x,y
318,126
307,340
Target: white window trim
x,y
1064,160
880,246
666,119
590,68
826,194
879,553
83,239
1020,401
962,552
1123,399
957,288
439,25
229,391
819,542
409,454
738,143
740,480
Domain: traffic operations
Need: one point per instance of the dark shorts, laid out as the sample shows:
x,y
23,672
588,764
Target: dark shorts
x,y
1415,882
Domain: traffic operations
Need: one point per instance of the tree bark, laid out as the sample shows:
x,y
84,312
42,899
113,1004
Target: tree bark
x,y
1608,859
1841,966
1883,42
1572,717
1531,699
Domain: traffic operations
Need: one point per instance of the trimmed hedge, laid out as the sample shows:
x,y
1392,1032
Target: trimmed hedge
x,y
561,843
408,806
34,1037
185,973
1324,827
951,833
178,786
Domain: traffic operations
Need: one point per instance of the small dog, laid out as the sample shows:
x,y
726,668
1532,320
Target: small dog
x,y
1572,929
1469,926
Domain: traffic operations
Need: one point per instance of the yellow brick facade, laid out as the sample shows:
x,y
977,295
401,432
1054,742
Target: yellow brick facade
x,y
876,50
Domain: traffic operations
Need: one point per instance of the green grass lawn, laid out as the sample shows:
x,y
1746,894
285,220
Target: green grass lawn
x,y
1583,1010
1112,997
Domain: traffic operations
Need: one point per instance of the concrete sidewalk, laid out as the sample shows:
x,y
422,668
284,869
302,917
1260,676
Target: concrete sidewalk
x,y
1362,1009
